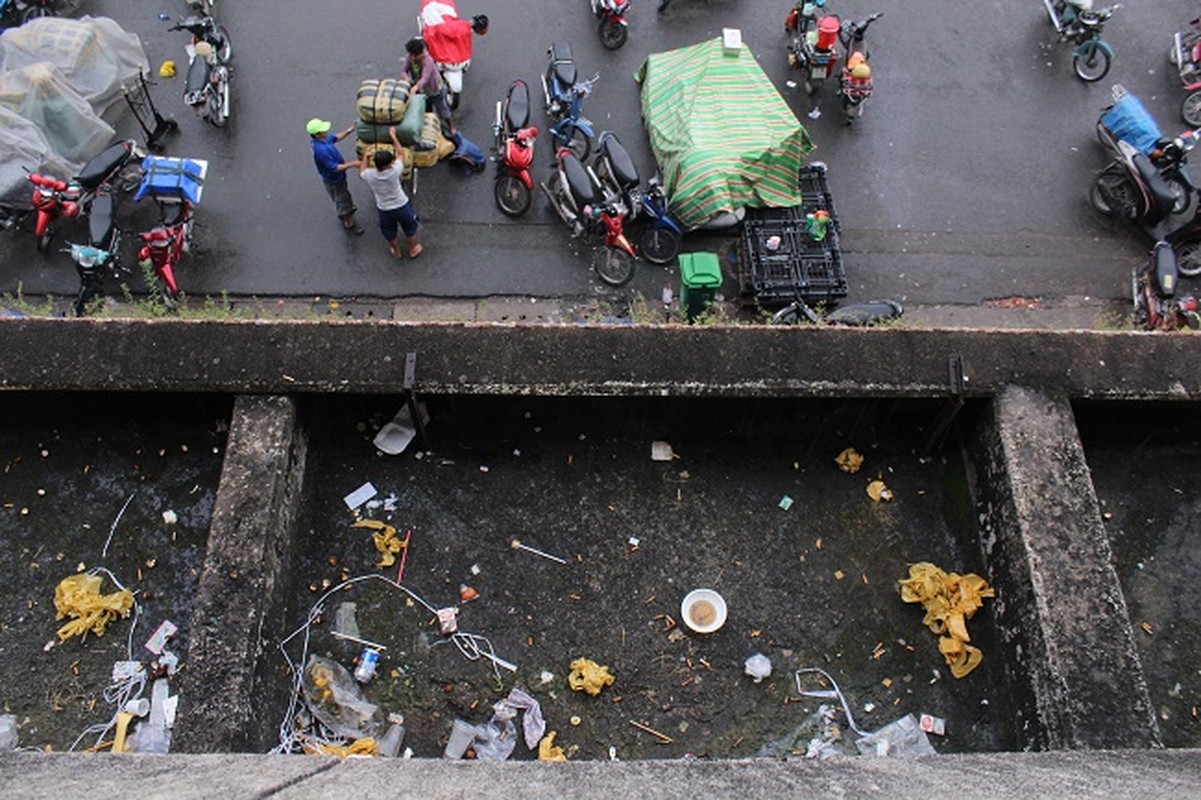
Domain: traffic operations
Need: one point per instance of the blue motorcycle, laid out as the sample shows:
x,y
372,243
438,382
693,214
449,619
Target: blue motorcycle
x,y
564,100
1077,22
658,236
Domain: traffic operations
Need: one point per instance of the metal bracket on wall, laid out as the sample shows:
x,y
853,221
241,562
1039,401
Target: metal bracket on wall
x,y
410,393
957,381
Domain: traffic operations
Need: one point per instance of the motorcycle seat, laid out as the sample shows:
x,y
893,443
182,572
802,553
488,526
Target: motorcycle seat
x,y
517,111
1155,181
198,76
578,181
563,63
102,165
624,171
100,219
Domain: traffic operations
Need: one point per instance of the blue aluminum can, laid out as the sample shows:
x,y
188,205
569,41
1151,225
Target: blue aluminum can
x,y
365,671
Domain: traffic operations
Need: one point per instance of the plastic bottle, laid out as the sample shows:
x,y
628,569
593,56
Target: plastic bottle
x,y
389,744
815,224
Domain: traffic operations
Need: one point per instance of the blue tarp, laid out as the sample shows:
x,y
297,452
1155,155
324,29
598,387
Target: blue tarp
x,y
1129,121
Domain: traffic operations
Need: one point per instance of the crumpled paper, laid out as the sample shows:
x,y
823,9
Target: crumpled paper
x,y
949,600
588,676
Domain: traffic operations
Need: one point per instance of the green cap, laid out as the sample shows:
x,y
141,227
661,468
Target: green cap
x,y
316,126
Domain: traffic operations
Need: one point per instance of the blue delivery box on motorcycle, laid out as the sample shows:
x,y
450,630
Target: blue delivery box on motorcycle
x,y
1129,121
166,178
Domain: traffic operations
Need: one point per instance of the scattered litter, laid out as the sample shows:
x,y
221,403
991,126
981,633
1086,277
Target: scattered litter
x,y
448,621
389,745
335,700
368,661
902,737
462,734
869,707
661,451
634,541
359,747
703,610
815,113
396,435
112,529
932,724
345,622
359,496
949,600
386,542
170,517
532,724
877,491
548,751
467,593
575,721
546,677
758,667
662,737
158,639
8,732
849,461
138,708
78,596
517,545
785,502
475,569
588,676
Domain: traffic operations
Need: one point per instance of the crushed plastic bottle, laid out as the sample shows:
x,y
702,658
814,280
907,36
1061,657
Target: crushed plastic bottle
x,y
8,732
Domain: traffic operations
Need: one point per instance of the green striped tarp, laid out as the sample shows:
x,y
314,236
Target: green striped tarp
x,y
723,136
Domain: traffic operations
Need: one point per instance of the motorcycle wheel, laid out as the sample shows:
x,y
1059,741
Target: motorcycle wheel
x,y
512,197
35,11
226,51
1190,110
613,265
659,245
1092,64
1188,259
613,34
43,241
579,143
215,113
1114,195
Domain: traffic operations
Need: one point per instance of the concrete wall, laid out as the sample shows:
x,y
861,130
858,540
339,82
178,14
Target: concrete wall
x,y
1070,658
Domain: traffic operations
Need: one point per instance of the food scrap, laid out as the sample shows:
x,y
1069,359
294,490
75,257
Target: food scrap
x,y
548,751
877,491
849,461
949,600
588,676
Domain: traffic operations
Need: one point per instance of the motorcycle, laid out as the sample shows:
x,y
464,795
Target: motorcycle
x,y
658,241
206,88
54,199
594,215
18,12
1185,55
92,264
514,145
1153,288
613,28
855,81
873,312
1075,21
563,100
204,7
176,185
448,38
813,52
1147,179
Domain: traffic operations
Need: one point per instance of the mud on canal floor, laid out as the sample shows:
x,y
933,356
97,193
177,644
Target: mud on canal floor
x,y
810,585
1144,466
68,465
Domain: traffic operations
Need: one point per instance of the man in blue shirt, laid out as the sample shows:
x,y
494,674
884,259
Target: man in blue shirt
x,y
333,168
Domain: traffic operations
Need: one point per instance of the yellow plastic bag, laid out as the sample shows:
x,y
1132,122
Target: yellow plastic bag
x,y
78,596
949,600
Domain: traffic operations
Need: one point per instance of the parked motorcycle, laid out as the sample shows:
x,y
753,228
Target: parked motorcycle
x,y
206,88
873,312
176,186
204,7
594,215
1075,21
564,100
814,52
18,12
855,82
448,39
658,240
1147,179
1185,55
514,138
1153,288
54,200
92,264
613,27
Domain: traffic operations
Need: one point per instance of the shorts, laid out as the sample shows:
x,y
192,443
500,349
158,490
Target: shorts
x,y
340,193
404,218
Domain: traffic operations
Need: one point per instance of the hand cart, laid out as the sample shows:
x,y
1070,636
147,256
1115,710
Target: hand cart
x,y
141,103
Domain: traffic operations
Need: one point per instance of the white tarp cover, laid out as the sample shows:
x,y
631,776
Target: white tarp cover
x,y
58,77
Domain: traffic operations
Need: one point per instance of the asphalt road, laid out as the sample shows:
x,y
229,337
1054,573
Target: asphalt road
x,y
965,181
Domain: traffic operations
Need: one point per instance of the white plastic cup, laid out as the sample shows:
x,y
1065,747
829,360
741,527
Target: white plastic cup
x,y
773,242
461,737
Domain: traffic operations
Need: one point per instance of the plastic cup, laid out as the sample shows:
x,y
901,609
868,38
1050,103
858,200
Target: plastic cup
x,y
461,737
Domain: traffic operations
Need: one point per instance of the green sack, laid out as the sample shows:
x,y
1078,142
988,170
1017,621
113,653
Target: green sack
x,y
409,129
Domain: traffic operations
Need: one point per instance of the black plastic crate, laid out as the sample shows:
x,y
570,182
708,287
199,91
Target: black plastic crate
x,y
797,267
815,192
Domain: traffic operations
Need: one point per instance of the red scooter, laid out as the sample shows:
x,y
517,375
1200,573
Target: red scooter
x,y
176,185
613,27
1153,287
55,199
514,138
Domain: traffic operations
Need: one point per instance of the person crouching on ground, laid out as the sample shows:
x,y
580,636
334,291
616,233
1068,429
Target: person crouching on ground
x,y
395,207
332,169
420,68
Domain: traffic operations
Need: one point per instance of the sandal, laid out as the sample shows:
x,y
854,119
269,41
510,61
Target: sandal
x,y
415,251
